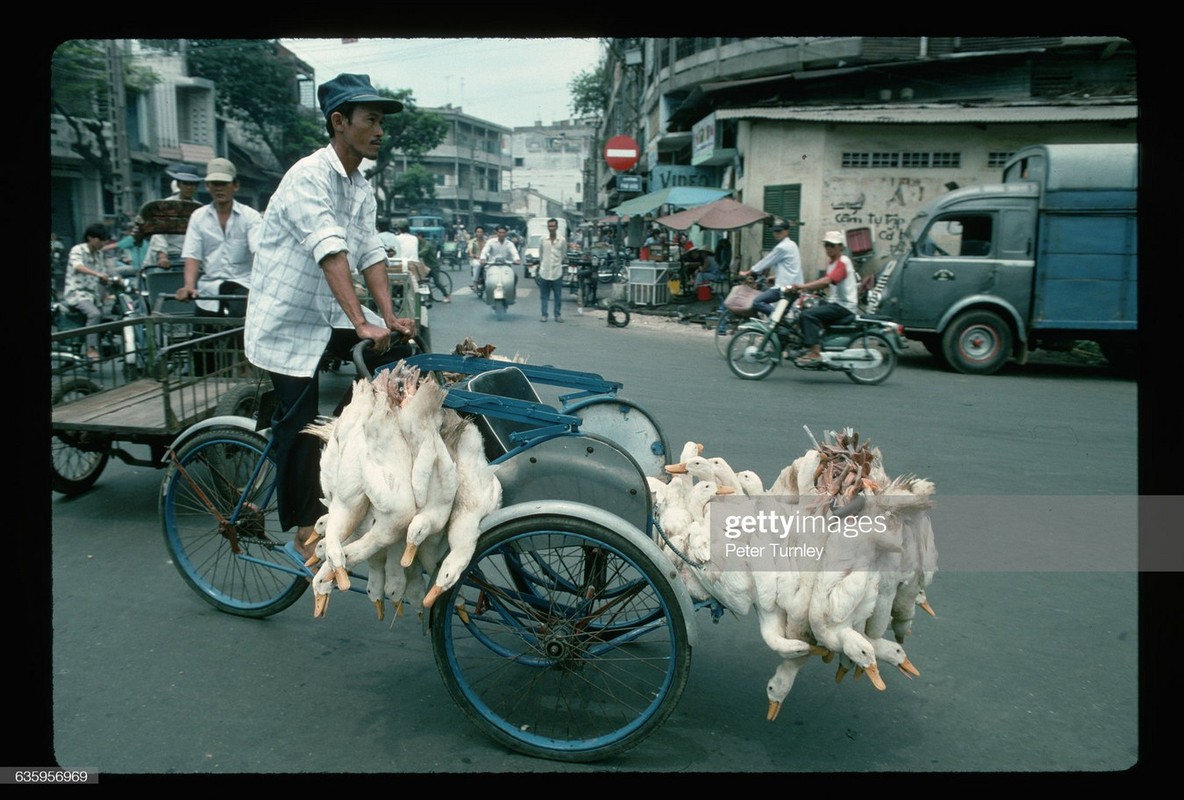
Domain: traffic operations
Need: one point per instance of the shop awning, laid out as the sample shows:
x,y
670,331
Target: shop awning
x,y
681,196
724,214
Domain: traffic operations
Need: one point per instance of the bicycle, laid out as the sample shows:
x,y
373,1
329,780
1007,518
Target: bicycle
x,y
565,637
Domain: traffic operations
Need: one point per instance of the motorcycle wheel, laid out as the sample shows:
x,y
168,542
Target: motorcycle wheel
x,y
879,368
499,309
752,356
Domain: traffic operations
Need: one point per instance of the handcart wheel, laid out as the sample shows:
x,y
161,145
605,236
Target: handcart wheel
x,y
77,458
618,316
562,639
204,523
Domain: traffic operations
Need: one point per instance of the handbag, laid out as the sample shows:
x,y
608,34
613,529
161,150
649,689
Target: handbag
x,y
741,298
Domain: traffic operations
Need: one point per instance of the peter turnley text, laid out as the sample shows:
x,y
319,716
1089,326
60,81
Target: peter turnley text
x,y
771,523
771,550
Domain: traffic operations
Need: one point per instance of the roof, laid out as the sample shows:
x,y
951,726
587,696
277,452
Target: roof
x,y
937,113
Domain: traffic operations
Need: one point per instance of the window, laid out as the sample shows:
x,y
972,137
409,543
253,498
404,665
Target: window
x,y
906,159
959,235
997,158
785,202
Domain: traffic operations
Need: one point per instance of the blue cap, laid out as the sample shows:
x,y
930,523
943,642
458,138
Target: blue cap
x,y
349,88
180,171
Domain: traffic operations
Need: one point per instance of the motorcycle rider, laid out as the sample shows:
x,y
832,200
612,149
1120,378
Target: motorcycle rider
x,y
842,297
786,260
86,277
473,248
501,247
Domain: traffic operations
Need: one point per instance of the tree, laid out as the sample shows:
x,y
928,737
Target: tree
x,y
590,91
80,91
416,186
256,86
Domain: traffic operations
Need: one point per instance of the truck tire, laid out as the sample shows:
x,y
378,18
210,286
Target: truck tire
x,y
977,343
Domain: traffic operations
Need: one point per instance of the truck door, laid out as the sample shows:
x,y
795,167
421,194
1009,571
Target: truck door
x,y
953,258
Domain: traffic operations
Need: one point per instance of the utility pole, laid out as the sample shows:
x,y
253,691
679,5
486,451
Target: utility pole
x,y
121,168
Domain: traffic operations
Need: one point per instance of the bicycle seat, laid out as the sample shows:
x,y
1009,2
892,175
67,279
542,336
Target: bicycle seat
x,y
509,382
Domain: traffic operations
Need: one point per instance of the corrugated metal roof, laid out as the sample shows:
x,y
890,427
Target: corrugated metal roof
x,y
930,113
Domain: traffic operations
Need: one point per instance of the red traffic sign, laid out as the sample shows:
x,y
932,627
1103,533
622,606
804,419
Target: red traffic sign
x,y
621,152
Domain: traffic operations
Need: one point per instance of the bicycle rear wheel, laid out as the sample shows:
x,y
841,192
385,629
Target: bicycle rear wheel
x,y
562,640
725,328
221,525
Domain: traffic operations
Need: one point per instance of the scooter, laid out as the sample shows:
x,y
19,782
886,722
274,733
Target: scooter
x,y
500,286
865,349
129,343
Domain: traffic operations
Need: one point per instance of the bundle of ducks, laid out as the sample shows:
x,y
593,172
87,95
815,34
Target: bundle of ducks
x,y
406,484
846,581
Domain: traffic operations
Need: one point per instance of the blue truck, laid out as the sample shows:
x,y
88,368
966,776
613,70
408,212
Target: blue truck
x,y
1045,258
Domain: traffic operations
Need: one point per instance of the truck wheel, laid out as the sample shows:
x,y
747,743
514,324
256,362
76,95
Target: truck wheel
x,y
977,343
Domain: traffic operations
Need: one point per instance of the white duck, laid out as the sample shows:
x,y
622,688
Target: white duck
x,y
842,599
730,584
478,493
434,473
385,472
341,475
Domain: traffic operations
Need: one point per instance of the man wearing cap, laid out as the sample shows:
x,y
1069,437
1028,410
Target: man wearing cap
x,y
220,244
165,248
786,261
318,228
842,297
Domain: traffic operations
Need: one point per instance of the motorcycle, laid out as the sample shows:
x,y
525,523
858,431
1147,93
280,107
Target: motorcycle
x,y
865,348
500,286
129,342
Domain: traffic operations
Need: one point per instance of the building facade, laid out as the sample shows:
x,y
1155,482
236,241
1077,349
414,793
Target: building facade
x,y
854,133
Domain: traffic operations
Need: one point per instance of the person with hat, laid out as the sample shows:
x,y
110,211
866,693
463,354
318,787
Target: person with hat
x,y
842,297
220,244
319,228
165,248
786,262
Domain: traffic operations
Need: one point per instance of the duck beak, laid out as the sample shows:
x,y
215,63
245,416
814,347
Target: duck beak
x,y
676,469
725,490
873,672
774,710
431,596
907,668
928,609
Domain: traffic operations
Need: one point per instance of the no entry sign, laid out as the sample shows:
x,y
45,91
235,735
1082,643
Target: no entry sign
x,y
621,152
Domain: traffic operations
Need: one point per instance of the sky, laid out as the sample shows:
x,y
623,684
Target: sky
x,y
510,82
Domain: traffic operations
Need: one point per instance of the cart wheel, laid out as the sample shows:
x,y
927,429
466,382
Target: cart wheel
x,y
618,316
240,401
77,458
562,640
203,522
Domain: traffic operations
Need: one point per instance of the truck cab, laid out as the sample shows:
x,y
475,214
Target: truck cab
x,y
987,273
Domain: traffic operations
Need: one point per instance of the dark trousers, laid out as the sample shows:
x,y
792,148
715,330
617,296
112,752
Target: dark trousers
x,y
553,288
298,455
765,301
214,357
815,319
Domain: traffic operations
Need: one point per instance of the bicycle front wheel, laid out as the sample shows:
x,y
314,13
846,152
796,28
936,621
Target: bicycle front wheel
x,y
221,525
562,640
725,327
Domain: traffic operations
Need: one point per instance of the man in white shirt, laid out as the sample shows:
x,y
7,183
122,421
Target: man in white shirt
x,y
319,226
786,261
407,242
220,244
501,247
552,251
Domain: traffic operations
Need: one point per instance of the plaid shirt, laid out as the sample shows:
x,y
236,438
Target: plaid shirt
x,y
316,211
81,287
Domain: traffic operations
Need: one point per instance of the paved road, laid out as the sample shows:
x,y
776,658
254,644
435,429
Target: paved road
x,y
1029,669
